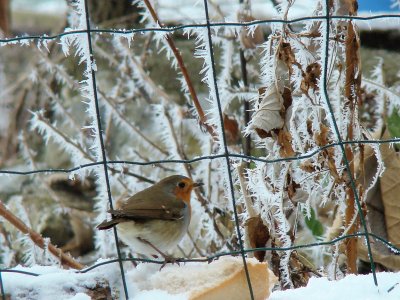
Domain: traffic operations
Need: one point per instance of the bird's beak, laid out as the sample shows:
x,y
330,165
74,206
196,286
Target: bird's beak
x,y
197,184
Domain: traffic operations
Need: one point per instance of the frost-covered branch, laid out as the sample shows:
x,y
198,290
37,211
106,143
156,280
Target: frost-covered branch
x,y
178,57
64,259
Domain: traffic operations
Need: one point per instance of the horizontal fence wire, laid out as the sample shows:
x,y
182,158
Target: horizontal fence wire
x,y
204,157
227,155
211,258
172,29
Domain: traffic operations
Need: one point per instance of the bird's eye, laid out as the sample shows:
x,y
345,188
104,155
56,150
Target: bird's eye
x,y
181,184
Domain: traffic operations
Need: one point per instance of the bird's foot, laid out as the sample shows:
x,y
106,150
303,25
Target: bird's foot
x,y
169,260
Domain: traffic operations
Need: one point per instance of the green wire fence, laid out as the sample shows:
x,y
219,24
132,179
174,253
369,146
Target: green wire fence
x,y
226,153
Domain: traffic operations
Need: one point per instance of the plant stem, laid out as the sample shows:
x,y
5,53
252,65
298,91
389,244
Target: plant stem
x,y
246,105
65,260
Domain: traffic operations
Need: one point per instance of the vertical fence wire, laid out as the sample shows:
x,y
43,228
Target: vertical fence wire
x,y
226,151
103,151
340,140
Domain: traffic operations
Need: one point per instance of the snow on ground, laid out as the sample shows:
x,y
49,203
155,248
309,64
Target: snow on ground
x,y
55,283
352,287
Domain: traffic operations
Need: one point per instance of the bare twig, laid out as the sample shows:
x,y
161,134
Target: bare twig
x,y
65,260
86,156
179,59
246,104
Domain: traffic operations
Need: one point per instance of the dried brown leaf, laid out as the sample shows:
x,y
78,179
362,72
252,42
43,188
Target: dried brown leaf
x,y
231,129
310,77
392,262
258,235
287,56
262,133
291,186
307,166
333,171
285,141
299,272
390,191
353,65
287,98
321,138
347,7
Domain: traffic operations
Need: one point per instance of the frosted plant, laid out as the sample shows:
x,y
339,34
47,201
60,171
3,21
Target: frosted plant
x,y
139,87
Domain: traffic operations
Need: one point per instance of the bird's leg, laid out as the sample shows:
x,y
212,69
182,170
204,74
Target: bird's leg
x,y
167,258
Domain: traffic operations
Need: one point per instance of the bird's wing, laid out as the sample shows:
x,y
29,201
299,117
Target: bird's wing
x,y
143,207
108,224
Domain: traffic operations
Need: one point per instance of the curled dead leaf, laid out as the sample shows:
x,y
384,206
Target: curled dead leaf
x,y
287,98
307,166
287,56
294,191
268,113
310,78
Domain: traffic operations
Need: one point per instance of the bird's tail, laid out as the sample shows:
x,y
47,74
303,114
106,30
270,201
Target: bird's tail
x,y
107,224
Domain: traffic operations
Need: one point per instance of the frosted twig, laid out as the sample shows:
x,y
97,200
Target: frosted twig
x,y
180,155
61,73
107,135
75,147
56,98
49,130
123,120
139,69
178,56
381,87
64,259
32,161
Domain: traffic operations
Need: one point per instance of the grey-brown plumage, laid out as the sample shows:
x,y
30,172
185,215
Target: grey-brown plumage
x,y
155,218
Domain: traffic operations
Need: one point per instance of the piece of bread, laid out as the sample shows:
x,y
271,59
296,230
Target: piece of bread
x,y
221,279
234,285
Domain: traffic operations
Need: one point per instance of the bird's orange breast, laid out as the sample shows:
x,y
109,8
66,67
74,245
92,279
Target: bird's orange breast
x,y
183,194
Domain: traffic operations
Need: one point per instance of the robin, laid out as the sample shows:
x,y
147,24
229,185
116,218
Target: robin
x,y
154,220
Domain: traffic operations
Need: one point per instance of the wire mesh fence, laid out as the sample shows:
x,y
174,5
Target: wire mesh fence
x,y
86,33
